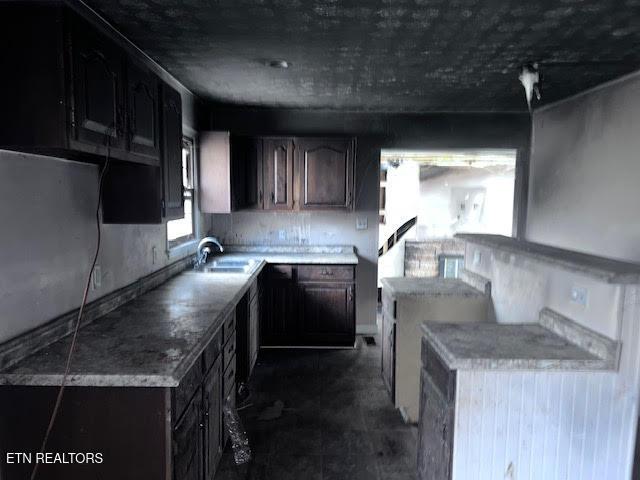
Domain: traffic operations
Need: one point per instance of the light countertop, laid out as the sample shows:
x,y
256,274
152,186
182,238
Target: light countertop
x,y
408,286
153,340
493,346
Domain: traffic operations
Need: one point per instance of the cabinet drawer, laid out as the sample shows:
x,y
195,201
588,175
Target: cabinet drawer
x,y
229,376
212,351
281,271
230,325
229,350
184,392
325,272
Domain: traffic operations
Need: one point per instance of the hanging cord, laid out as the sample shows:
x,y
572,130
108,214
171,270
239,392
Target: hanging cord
x,y
76,328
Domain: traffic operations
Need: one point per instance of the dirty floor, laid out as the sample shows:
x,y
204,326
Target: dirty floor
x,y
338,422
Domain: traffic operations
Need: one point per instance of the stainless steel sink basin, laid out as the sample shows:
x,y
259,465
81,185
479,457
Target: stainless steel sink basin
x,y
229,266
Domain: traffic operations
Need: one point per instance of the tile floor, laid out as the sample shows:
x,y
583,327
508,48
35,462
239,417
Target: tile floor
x,y
338,422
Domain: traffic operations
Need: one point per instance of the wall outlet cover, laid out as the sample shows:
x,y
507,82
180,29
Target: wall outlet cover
x,y
362,223
96,279
579,295
282,235
477,257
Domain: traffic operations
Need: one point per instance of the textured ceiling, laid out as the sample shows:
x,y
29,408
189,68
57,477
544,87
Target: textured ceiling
x,y
383,55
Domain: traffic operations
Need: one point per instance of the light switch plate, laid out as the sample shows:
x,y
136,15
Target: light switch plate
x,y
477,257
362,223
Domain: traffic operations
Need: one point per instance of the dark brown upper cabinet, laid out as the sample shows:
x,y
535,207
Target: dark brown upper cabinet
x,y
75,93
143,112
278,173
172,201
324,173
98,101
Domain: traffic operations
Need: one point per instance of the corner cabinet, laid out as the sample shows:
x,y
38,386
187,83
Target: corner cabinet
x,y
325,173
91,99
276,173
309,305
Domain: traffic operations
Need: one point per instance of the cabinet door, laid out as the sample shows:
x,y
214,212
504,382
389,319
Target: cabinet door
x,y
253,332
280,326
173,202
246,173
143,113
212,414
187,443
98,88
327,314
388,354
278,181
325,172
435,432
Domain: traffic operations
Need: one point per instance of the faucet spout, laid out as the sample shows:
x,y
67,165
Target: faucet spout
x,y
205,248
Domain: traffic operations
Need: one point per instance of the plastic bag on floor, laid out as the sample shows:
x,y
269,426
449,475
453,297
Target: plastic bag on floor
x,y
237,434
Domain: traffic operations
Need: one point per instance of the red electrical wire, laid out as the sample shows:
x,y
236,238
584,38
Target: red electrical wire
x,y
76,328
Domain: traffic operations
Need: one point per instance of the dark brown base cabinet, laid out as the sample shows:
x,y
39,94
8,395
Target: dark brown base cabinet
x,y
143,433
436,422
309,305
247,317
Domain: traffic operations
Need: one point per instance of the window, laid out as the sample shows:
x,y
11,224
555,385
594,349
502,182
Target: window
x,y
182,230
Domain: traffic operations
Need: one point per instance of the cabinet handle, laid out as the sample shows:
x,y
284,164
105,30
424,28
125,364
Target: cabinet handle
x,y
260,197
273,197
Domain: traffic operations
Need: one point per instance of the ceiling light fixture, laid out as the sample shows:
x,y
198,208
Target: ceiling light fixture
x,y
279,64
530,79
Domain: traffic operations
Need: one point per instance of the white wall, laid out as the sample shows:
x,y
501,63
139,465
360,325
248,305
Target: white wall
x,y
584,188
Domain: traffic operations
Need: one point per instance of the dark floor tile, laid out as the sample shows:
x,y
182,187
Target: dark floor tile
x,y
348,417
396,452
296,441
295,467
350,467
346,442
383,418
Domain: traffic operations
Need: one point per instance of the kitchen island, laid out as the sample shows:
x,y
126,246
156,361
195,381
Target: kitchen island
x,y
490,391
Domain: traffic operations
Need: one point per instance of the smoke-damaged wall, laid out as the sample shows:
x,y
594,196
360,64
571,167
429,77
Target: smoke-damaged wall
x,y
585,172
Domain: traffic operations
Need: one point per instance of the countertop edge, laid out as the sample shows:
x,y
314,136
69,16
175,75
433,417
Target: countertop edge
x,y
515,364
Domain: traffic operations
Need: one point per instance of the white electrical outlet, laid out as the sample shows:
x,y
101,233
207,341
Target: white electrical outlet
x,y
96,280
477,257
579,295
362,223
282,235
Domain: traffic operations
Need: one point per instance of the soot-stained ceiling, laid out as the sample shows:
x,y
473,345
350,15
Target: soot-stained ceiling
x,y
383,55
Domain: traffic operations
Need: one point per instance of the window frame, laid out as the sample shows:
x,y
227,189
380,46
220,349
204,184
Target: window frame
x,y
177,246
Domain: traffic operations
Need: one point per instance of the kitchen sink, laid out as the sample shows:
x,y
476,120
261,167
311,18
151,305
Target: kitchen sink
x,y
229,266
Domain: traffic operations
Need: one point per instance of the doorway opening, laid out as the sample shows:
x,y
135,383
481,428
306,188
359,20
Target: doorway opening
x,y
427,196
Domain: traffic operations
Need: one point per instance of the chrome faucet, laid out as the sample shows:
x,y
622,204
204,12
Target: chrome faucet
x,y
205,248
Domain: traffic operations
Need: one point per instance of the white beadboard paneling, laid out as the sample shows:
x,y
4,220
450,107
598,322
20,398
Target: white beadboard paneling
x,y
546,425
